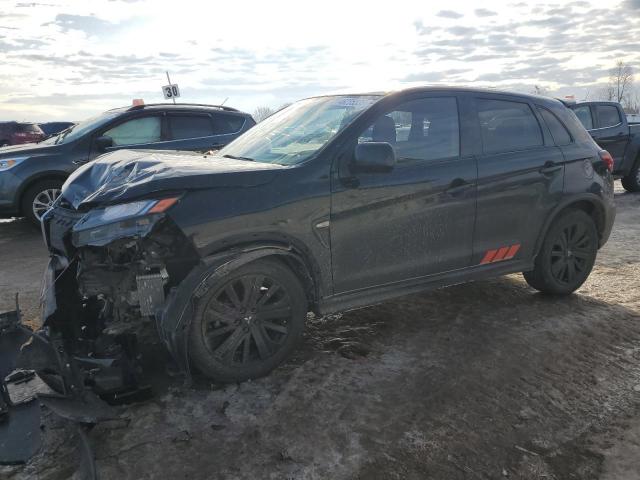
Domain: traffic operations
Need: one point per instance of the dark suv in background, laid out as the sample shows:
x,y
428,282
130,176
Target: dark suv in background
x,y
31,175
17,133
333,203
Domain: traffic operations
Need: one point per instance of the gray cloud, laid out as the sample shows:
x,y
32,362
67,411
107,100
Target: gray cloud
x,y
483,12
91,25
449,14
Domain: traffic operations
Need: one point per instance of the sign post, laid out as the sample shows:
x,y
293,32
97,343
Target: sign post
x,y
171,91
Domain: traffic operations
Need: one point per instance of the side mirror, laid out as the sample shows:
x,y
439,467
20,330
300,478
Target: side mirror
x,y
104,142
374,157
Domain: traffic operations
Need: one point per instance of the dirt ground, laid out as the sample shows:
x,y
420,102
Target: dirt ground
x,y
484,380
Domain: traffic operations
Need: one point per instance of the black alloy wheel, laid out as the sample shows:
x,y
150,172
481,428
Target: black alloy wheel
x,y
249,322
567,255
571,253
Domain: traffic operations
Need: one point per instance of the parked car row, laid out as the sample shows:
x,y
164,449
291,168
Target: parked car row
x,y
31,175
17,133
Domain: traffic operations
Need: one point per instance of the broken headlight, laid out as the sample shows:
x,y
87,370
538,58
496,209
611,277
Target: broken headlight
x,y
103,225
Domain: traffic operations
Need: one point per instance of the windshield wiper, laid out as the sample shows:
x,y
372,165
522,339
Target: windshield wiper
x,y
234,157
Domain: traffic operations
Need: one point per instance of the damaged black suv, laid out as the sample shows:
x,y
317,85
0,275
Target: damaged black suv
x,y
333,203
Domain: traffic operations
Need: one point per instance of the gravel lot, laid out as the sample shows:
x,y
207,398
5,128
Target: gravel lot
x,y
477,381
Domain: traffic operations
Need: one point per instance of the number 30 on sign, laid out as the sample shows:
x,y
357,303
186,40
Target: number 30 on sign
x,y
171,91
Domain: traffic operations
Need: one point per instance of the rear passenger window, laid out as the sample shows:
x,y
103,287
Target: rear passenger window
x,y
584,115
507,126
225,124
137,131
424,129
608,116
190,126
558,131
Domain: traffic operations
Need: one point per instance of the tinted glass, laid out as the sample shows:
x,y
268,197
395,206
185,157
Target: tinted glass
x,y
225,124
425,129
608,116
136,131
507,126
28,128
558,131
190,126
295,133
584,115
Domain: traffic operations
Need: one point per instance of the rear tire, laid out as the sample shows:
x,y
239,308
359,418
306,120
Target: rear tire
x,y
567,254
631,182
248,322
36,199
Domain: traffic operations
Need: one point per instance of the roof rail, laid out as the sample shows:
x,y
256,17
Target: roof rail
x,y
220,107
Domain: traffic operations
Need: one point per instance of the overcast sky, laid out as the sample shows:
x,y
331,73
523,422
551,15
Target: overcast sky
x,y
72,59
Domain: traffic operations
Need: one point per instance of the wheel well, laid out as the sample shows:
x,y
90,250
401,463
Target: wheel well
x,y
592,209
32,182
299,267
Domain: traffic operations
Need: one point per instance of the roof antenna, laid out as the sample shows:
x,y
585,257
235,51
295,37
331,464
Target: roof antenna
x,y
224,101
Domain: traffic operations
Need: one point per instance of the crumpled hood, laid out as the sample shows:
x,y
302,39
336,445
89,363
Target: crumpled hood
x,y
129,174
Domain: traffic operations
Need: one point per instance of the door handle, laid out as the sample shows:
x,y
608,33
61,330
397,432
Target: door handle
x,y
550,168
79,162
458,186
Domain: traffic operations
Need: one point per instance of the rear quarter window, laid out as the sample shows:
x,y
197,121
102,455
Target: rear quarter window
x,y
507,126
558,131
190,126
226,124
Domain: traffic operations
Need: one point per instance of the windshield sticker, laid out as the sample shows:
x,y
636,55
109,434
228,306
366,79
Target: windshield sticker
x,y
355,102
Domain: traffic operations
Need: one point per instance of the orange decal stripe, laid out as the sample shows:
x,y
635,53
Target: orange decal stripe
x,y
488,257
512,251
500,255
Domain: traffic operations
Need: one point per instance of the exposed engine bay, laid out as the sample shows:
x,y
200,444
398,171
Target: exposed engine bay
x,y
102,297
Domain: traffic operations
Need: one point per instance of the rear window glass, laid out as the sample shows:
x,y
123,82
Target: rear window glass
x,y
608,116
558,131
28,128
224,124
584,115
508,126
190,126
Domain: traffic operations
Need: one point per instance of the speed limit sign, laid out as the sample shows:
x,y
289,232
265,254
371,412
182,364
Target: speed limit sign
x,y
171,91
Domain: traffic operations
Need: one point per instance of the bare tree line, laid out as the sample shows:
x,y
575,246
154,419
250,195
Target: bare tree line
x,y
620,87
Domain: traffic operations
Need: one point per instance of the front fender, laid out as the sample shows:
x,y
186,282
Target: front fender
x,y
174,320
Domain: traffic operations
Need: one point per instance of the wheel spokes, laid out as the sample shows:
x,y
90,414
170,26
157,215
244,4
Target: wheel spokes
x,y
247,320
227,348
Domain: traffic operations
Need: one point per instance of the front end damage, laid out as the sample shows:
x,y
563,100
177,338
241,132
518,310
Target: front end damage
x,y
104,292
105,286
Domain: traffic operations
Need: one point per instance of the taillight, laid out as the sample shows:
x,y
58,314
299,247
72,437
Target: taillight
x,y
607,159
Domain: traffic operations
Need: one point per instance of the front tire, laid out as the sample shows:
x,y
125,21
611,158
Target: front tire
x,y
248,322
567,254
631,182
39,198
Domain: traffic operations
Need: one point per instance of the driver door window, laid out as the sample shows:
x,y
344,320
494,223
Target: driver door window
x,y
419,130
137,131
